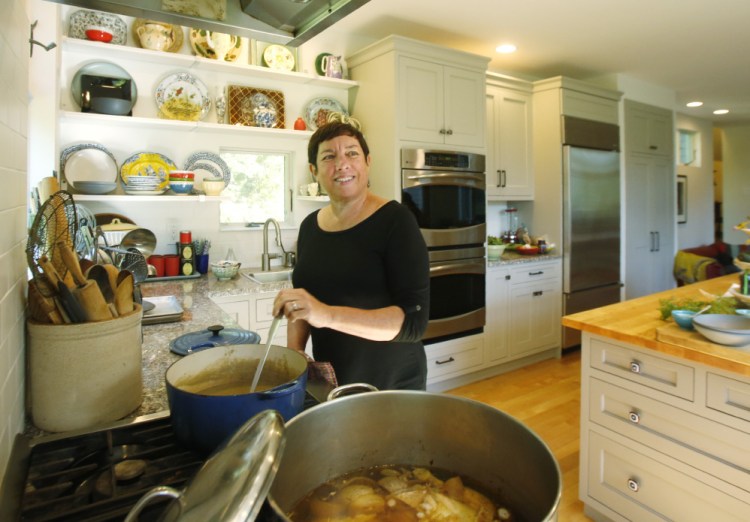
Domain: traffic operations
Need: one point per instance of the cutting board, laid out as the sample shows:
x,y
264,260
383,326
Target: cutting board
x,y
673,334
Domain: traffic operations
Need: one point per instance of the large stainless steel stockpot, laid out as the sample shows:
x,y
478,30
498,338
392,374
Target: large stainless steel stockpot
x,y
422,429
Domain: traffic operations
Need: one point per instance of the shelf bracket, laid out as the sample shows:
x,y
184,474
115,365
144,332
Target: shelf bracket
x,y
33,42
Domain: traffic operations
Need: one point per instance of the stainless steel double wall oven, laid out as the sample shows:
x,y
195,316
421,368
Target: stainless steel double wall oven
x,y
446,192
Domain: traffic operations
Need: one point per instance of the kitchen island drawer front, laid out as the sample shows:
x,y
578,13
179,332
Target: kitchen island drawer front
x,y
454,356
643,489
639,367
529,273
728,396
713,448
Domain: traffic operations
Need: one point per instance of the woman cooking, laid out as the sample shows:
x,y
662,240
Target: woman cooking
x,y
361,283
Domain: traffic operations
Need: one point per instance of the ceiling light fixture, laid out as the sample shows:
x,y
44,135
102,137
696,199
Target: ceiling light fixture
x,y
694,104
506,48
721,111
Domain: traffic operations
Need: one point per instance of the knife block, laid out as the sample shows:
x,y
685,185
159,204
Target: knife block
x,y
85,374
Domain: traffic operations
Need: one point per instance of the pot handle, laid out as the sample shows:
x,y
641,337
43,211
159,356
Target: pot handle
x,y
279,391
350,389
161,491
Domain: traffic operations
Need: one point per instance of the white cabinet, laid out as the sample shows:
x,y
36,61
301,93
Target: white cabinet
x,y
650,215
660,438
509,152
454,358
648,129
439,104
415,94
524,304
253,312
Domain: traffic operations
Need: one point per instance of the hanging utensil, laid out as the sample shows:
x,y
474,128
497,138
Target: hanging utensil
x,y
271,334
141,239
55,222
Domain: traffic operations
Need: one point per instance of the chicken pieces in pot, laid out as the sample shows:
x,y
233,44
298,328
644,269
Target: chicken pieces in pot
x,y
398,494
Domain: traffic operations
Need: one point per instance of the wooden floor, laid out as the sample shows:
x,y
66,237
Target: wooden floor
x,y
545,397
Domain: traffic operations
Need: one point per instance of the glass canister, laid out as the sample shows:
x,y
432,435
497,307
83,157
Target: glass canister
x,y
511,225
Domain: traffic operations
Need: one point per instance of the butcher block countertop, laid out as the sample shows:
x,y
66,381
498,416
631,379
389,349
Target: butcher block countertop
x,y
639,322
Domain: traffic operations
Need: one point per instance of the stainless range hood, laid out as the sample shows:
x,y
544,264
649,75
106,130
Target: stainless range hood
x,y
289,22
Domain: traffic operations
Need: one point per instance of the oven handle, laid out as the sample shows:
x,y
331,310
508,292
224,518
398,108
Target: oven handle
x,y
468,178
444,268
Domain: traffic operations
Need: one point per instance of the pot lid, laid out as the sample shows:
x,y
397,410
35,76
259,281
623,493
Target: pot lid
x,y
212,336
233,483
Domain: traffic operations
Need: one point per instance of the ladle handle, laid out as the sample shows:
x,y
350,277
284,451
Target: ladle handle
x,y
271,334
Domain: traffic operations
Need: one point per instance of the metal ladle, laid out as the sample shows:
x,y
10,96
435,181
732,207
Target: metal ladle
x,y
271,334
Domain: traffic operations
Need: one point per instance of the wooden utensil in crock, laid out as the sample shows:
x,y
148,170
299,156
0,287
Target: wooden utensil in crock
x,y
86,291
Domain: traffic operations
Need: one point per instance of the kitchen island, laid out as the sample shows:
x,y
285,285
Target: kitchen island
x,y
665,415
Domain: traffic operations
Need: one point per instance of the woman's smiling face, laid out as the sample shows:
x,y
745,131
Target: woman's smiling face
x,y
342,167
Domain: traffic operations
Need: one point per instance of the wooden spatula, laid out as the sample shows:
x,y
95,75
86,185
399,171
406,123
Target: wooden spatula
x,y
124,292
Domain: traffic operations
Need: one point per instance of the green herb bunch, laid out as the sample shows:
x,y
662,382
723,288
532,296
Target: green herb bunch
x,y
721,305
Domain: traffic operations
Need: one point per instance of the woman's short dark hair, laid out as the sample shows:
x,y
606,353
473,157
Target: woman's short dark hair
x,y
333,130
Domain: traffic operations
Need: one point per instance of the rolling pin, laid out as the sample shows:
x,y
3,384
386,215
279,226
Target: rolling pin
x,y
88,292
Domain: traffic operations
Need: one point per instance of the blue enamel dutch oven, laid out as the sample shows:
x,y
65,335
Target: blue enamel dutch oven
x,y
202,420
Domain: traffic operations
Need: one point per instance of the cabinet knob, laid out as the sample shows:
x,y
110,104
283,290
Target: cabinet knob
x,y
633,485
442,131
538,293
449,132
634,417
635,367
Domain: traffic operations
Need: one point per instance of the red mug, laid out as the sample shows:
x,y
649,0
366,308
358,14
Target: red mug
x,y
172,265
157,261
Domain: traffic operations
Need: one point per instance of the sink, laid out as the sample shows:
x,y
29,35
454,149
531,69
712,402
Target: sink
x,y
268,276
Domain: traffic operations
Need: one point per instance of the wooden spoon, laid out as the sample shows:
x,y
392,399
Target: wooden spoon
x,y
124,292
86,291
99,275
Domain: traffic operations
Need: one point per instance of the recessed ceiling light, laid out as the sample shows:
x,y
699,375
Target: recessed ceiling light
x,y
721,111
506,48
694,104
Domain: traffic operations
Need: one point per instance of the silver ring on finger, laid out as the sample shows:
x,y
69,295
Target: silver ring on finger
x,y
294,306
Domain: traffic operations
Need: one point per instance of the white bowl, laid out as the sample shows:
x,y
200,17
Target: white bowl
x,y
726,329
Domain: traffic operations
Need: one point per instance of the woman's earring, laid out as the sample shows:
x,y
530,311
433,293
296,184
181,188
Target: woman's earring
x,y
368,183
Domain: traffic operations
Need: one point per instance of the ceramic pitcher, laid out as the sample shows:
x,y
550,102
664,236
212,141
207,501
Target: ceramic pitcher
x,y
220,43
332,66
155,36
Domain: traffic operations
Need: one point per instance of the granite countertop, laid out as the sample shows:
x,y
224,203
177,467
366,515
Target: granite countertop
x,y
512,258
195,297
638,322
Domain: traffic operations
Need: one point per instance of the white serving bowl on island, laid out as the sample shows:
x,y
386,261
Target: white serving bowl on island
x,y
726,329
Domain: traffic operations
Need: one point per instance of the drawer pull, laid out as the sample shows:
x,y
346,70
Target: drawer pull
x,y
540,272
448,360
633,485
634,417
635,367
538,293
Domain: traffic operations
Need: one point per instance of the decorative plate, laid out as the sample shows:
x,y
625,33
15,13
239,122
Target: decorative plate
x,y
278,57
199,41
156,192
255,107
88,162
106,69
176,30
182,96
80,20
317,111
208,165
148,164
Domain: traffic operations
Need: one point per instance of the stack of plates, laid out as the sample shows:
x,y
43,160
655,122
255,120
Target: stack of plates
x,y
138,184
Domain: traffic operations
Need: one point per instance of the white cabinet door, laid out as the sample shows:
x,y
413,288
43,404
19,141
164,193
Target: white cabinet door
x,y
649,237
509,153
496,330
238,310
534,317
439,104
648,129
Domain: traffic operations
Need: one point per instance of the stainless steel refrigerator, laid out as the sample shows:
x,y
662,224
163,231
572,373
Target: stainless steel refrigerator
x,y
591,218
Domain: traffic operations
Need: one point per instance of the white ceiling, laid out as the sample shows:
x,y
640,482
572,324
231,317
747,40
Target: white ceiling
x,y
694,47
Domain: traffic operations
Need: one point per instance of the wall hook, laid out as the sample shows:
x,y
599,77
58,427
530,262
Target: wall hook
x,y
33,42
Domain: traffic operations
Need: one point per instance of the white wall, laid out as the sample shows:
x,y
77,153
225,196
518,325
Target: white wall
x,y
699,229
736,162
14,52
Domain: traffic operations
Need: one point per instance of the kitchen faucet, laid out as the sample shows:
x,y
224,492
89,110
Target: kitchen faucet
x,y
265,259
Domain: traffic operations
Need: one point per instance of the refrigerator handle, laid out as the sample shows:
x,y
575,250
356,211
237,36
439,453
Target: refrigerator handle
x,y
658,241
651,246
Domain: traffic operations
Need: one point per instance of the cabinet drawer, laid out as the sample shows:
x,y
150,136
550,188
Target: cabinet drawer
x,y
454,356
647,370
534,272
264,310
641,488
728,396
706,444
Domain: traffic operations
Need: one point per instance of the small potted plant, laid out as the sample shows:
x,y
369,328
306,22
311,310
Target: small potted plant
x,y
495,248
